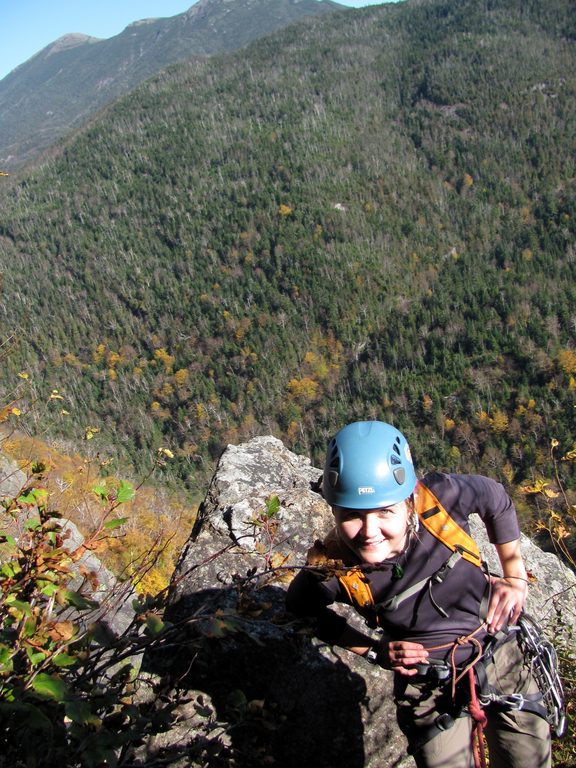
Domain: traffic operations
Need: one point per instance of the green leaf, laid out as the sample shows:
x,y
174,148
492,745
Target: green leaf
x,y
7,570
8,539
236,703
30,626
116,523
77,600
39,728
102,634
50,687
6,662
138,606
101,491
64,660
34,496
36,657
81,712
126,492
217,627
46,588
154,623
27,498
19,605
41,495
272,506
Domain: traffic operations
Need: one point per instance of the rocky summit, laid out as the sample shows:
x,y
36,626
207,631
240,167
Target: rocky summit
x,y
276,696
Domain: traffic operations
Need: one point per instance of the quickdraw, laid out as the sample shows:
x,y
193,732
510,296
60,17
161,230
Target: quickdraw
x,y
544,665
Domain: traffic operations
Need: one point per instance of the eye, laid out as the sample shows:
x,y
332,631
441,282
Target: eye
x,y
348,514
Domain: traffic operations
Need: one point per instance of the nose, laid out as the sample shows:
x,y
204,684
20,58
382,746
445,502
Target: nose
x,y
369,525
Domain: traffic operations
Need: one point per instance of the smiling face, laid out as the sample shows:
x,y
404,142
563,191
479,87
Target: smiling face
x,y
374,535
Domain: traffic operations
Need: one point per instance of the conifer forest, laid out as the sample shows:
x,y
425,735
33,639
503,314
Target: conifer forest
x,y
369,214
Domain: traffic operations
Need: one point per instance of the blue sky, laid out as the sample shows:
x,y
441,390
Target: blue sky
x,y
30,25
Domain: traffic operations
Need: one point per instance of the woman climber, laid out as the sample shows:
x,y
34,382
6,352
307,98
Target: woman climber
x,y
401,555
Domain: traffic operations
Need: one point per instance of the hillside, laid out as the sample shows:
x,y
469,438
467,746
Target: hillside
x,y
61,86
369,215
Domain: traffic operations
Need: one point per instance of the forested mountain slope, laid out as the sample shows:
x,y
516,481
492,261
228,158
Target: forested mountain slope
x,y
369,216
66,82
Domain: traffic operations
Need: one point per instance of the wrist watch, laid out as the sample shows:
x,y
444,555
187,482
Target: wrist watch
x,y
372,656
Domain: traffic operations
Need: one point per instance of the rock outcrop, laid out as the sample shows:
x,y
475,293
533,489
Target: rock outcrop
x,y
279,696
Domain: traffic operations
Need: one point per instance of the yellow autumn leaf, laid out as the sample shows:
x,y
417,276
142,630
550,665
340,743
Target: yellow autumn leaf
x,y
24,375
278,560
16,412
166,452
90,432
56,395
561,532
5,412
540,486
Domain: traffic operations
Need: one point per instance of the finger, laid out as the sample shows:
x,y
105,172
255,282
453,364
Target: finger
x,y
407,671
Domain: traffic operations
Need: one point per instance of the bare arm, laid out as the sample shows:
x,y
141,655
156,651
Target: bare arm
x,y
399,655
509,592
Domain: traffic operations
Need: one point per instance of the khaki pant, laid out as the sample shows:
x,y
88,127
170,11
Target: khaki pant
x,y
516,739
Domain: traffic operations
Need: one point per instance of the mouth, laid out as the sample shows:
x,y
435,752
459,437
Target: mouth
x,y
372,543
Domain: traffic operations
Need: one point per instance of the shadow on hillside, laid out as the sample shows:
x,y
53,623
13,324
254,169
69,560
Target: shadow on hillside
x,y
281,701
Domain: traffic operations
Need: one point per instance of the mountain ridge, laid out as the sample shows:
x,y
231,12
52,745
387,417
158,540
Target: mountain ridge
x,y
371,215
71,78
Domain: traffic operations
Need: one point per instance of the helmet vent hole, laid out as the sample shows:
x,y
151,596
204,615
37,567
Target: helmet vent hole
x,y
395,460
333,478
334,461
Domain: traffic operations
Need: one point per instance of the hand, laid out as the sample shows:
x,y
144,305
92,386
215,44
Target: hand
x,y
401,656
506,603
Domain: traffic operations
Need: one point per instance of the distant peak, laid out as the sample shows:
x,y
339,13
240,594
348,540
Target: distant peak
x,y
198,7
141,22
72,40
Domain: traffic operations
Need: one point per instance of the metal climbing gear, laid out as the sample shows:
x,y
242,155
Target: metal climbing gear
x,y
544,664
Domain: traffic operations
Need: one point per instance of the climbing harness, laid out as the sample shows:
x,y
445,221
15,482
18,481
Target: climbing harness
x,y
357,588
475,709
540,654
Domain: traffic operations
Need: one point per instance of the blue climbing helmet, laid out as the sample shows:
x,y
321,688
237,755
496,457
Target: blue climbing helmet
x,y
368,465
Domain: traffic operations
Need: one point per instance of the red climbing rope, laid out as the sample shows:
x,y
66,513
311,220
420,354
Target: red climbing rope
x,y
475,708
